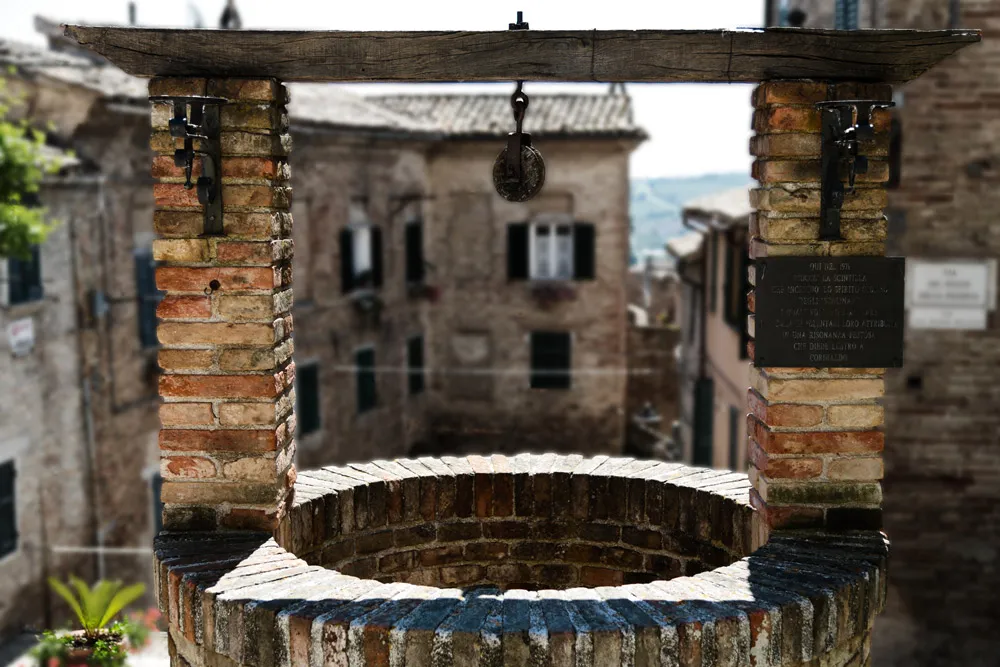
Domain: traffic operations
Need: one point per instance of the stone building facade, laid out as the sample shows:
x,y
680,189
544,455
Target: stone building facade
x,y
368,184
718,361
510,272
941,458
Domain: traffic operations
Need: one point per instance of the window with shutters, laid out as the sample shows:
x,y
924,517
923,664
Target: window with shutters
x,y
415,365
8,509
551,359
24,278
414,245
551,251
360,252
147,296
307,410
364,363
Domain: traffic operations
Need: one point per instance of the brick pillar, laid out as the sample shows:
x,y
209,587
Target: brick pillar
x,y
815,434
225,326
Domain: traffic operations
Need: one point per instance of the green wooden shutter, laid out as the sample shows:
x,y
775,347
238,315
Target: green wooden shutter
x,y
744,308
307,405
551,359
727,286
734,434
156,487
415,364
704,399
584,251
364,361
517,251
346,260
711,284
147,296
25,278
376,256
414,252
8,509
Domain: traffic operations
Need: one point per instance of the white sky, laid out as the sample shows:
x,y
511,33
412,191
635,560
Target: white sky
x,y
694,129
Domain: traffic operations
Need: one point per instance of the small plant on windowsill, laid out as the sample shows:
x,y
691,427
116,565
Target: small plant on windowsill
x,y
99,643
547,294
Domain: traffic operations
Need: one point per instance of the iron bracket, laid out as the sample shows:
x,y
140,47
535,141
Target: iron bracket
x,y
845,124
197,118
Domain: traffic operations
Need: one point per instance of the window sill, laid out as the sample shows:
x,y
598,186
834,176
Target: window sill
x,y
552,281
27,309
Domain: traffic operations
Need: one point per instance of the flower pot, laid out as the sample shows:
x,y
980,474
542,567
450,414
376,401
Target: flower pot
x,y
78,657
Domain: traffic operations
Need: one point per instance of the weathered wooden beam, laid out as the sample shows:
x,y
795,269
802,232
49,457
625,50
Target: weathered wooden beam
x,y
742,56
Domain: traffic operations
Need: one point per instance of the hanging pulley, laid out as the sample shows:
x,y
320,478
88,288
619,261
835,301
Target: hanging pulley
x,y
519,170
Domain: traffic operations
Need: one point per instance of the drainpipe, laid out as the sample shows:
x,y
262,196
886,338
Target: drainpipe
x,y
705,234
86,388
88,421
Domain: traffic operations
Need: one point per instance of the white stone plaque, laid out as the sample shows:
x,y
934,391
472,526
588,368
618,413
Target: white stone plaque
x,y
951,284
21,336
948,318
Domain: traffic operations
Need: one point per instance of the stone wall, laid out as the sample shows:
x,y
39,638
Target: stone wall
x,y
111,221
329,172
49,447
483,321
942,421
653,372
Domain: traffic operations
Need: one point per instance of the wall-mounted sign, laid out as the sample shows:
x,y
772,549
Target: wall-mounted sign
x,y
948,318
950,294
829,312
951,284
21,336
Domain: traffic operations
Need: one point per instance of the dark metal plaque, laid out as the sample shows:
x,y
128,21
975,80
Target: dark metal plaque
x,y
829,312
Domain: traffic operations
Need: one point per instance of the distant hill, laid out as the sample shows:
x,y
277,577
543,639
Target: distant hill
x,y
655,205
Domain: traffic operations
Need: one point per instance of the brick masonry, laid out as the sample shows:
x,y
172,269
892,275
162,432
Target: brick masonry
x,y
225,321
815,435
941,420
569,525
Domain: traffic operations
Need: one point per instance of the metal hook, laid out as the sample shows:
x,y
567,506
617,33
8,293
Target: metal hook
x,y
519,103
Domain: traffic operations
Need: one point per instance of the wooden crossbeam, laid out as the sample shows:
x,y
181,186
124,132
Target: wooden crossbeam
x,y
711,56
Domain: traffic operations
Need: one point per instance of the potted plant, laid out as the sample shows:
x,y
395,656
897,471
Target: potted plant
x,y
99,642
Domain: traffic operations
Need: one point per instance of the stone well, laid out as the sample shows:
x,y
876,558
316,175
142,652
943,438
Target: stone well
x,y
524,560
537,560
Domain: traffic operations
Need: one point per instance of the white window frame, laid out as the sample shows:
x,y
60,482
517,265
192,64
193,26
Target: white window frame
x,y
361,239
553,223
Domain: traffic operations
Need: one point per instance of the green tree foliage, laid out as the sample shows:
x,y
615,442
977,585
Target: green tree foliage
x,y
22,167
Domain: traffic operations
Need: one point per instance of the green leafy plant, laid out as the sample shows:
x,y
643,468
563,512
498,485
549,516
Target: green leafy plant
x,y
109,649
22,167
96,607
